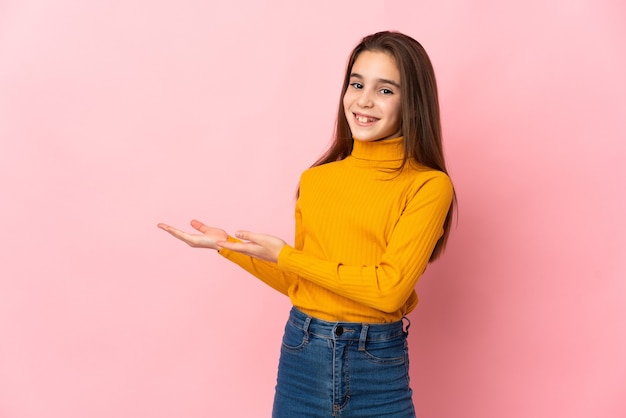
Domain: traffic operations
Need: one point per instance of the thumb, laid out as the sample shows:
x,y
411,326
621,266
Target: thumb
x,y
246,235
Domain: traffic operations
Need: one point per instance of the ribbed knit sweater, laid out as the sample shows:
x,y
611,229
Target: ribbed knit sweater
x,y
364,235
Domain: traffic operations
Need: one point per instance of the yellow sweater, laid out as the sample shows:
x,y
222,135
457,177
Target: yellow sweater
x,y
364,235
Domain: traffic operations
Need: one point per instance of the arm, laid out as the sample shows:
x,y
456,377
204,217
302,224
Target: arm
x,y
246,255
258,255
387,285
217,239
266,271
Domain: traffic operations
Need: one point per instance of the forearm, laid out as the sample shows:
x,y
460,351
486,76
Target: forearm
x,y
383,286
266,271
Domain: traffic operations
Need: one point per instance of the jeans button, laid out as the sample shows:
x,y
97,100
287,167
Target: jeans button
x,y
338,330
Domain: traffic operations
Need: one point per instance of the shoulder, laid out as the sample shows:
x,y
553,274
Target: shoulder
x,y
427,181
428,175
321,170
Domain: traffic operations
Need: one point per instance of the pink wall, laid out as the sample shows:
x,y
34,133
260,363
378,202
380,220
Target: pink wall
x,y
115,116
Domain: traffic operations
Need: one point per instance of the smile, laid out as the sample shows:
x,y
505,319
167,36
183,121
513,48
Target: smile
x,y
364,119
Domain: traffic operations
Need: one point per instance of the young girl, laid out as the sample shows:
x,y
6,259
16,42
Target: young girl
x,y
370,215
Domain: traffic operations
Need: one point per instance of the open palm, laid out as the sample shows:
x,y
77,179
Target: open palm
x,y
207,238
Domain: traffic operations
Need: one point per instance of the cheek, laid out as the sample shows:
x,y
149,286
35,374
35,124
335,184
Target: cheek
x,y
346,101
396,111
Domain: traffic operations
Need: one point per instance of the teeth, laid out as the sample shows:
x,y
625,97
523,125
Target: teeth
x,y
364,119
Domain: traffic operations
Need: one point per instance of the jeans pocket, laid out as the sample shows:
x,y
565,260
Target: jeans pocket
x,y
392,351
294,338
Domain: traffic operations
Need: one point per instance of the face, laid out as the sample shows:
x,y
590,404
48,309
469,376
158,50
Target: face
x,y
372,100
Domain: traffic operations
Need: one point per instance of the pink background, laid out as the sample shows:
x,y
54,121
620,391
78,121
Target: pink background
x,y
117,115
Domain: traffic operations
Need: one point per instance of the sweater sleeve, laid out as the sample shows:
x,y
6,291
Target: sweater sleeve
x,y
387,285
266,271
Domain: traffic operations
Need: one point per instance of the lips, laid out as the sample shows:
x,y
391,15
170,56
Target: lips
x,y
364,118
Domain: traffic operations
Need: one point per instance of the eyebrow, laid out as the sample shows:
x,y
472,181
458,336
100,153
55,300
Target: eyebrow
x,y
380,80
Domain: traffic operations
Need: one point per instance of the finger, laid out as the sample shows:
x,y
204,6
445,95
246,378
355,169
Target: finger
x,y
249,236
176,232
241,234
167,228
196,224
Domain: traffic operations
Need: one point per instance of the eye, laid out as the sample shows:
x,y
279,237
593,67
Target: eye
x,y
386,91
356,85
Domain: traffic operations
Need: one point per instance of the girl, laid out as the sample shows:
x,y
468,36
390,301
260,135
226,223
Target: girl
x,y
370,215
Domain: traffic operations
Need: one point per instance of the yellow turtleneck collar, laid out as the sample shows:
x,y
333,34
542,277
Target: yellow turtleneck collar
x,y
387,150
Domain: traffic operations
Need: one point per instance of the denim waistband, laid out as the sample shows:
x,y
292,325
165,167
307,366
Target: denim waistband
x,y
347,330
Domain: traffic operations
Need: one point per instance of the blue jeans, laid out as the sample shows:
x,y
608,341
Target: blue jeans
x,y
342,369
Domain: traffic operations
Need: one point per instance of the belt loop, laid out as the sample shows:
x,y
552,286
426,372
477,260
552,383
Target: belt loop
x,y
305,328
408,325
363,336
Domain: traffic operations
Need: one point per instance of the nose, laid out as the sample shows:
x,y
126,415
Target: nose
x,y
365,98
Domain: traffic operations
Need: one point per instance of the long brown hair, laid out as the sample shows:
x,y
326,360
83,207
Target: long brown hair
x,y
421,125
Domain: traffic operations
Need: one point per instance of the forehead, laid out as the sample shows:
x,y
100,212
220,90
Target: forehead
x,y
376,65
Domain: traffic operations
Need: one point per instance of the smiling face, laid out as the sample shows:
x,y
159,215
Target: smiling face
x,y
372,101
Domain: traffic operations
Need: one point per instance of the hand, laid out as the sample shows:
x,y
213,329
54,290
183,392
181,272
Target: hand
x,y
207,239
262,246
